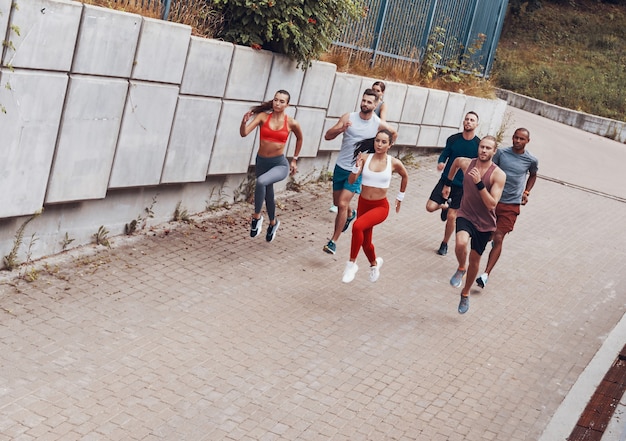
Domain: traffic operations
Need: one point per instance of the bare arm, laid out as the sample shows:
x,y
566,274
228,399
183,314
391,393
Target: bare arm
x,y
339,128
530,183
398,167
358,167
394,134
245,128
297,131
458,164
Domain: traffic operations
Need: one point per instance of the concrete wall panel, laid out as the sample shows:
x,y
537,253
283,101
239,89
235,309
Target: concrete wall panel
x,y
207,67
33,103
107,42
332,145
444,134
484,108
346,95
429,137
191,141
249,74
312,124
5,11
47,37
395,96
414,105
435,107
231,152
318,85
144,135
408,134
285,75
87,138
161,51
454,111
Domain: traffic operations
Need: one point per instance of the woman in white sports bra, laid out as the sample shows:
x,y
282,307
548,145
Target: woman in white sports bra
x,y
373,206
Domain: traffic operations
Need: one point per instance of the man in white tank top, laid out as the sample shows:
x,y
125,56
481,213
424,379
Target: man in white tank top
x,y
359,130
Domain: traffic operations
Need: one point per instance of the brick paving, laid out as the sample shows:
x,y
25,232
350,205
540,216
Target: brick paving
x,y
202,333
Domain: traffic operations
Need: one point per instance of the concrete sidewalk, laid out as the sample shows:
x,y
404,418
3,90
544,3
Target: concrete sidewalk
x,y
202,333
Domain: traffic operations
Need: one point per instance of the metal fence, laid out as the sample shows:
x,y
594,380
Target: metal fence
x,y
401,29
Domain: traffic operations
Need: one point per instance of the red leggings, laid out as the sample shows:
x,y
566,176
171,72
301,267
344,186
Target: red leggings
x,y
369,213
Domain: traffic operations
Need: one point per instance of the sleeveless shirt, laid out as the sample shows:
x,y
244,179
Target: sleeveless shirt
x,y
376,179
472,207
360,130
280,136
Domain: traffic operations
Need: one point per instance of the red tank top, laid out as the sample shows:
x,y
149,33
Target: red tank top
x,y
472,207
280,136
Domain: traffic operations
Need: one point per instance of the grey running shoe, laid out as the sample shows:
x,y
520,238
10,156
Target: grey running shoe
x,y
443,249
255,226
271,231
464,304
457,278
482,280
350,219
330,247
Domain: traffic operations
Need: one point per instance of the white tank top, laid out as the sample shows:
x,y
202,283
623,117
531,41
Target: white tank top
x,y
376,179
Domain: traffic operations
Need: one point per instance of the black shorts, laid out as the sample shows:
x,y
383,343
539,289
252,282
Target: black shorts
x,y
478,239
456,193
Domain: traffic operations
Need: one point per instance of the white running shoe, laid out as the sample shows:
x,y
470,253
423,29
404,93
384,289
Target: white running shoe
x,y
375,270
349,272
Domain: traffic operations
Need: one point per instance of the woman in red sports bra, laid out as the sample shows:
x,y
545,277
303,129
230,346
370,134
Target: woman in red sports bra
x,y
271,165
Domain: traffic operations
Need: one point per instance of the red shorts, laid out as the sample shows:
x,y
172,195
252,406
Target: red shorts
x,y
506,215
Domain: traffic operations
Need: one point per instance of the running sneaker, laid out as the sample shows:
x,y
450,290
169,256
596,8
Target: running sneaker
x,y
457,278
464,304
349,272
271,231
444,211
482,280
375,270
255,226
330,247
350,219
443,249
333,209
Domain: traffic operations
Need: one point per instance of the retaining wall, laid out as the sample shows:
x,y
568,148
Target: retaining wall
x,y
608,128
110,117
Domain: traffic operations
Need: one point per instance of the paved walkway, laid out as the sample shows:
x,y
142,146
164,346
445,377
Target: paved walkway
x,y
201,333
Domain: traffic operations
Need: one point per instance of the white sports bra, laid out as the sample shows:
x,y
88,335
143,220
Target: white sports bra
x,y
376,179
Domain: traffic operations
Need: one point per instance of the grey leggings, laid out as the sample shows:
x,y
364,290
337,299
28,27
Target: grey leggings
x,y
268,171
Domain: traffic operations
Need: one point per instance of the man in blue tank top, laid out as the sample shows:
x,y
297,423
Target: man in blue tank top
x,y
359,130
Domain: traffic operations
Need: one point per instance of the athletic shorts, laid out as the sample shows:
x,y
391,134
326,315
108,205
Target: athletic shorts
x,y
478,239
340,181
456,193
506,215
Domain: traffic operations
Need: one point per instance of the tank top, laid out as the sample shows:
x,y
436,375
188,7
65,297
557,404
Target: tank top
x,y
376,179
280,136
360,130
472,207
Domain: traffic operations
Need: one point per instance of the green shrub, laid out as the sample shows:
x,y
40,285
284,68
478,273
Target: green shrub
x,y
300,29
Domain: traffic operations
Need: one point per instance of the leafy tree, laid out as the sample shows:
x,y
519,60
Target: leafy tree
x,y
300,29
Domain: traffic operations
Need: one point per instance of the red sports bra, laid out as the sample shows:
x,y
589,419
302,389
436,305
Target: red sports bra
x,y
280,136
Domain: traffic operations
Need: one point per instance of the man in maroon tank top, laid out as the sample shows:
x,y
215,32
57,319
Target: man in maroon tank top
x,y
476,219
